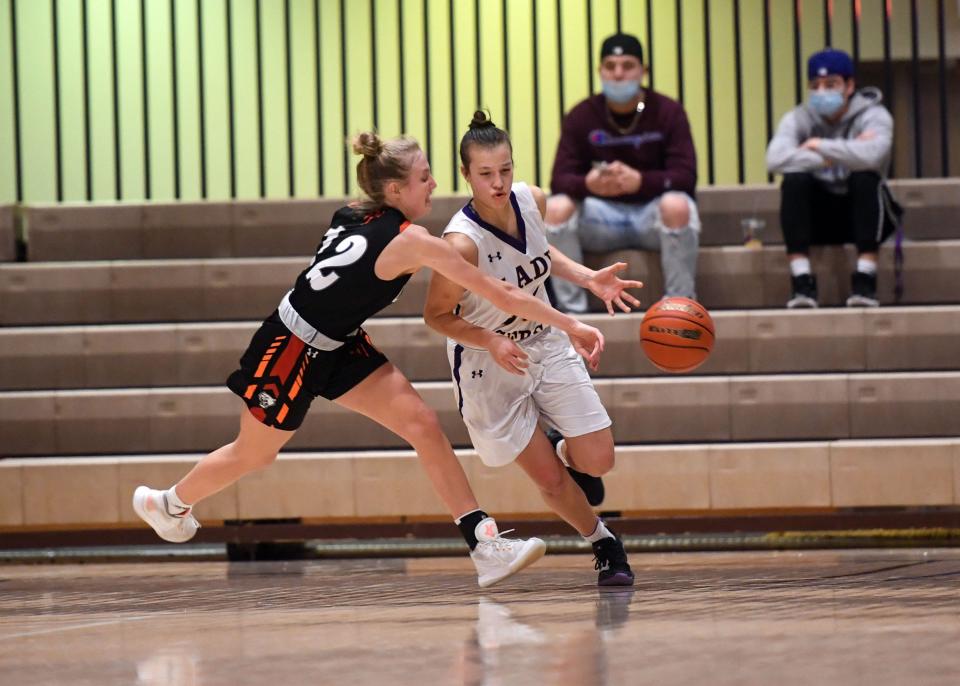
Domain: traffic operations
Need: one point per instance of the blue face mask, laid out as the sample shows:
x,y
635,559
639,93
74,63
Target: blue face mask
x,y
620,92
826,103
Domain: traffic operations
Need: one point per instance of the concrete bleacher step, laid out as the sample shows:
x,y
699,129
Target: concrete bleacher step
x,y
250,288
387,485
191,229
748,342
294,227
690,409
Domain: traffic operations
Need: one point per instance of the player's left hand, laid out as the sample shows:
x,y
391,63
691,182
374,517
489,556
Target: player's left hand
x,y
612,290
588,342
811,144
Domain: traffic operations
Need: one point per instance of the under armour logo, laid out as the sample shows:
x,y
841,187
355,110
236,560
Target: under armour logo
x,y
475,373
498,256
490,530
266,400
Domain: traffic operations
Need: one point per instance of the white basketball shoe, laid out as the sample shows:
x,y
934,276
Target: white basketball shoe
x,y
497,557
151,506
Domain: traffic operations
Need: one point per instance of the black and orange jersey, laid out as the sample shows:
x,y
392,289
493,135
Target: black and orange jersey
x,y
340,289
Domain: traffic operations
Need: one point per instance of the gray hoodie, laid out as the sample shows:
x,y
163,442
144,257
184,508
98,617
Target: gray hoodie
x,y
840,152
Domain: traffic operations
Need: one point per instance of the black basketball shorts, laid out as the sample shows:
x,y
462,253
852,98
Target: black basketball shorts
x,y
280,375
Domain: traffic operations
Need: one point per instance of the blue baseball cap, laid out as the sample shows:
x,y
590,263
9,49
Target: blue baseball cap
x,y
829,62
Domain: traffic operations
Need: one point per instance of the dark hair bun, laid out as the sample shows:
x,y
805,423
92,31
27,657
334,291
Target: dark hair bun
x,y
367,144
481,121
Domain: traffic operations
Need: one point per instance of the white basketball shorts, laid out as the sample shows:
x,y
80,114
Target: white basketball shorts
x,y
501,410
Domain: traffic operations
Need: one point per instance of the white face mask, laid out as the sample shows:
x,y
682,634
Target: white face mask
x,y
826,103
620,92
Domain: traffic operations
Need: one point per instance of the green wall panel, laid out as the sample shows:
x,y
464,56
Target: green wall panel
x,y
182,135
35,55
8,167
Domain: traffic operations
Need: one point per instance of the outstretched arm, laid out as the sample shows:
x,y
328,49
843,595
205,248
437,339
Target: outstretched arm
x,y
416,248
439,313
605,284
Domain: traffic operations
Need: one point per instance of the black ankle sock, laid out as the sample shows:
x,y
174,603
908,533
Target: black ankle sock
x,y
468,525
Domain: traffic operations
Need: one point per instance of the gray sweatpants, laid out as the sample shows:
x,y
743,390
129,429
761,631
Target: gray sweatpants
x,y
600,225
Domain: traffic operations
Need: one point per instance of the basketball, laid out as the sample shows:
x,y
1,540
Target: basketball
x,y
677,334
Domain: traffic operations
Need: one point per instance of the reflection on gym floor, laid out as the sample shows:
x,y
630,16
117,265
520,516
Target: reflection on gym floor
x,y
852,617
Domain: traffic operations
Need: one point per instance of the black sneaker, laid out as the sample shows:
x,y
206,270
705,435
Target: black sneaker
x,y
611,562
863,290
804,291
592,486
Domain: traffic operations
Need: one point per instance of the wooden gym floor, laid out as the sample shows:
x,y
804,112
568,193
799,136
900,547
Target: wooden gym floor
x,y
844,617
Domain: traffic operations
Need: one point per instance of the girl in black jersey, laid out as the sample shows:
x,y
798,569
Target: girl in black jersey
x,y
314,345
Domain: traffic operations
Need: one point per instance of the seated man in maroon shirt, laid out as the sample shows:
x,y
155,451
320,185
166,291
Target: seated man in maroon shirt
x,y
624,176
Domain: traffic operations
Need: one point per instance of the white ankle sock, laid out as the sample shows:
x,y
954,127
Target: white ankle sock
x,y
599,533
175,506
799,266
866,266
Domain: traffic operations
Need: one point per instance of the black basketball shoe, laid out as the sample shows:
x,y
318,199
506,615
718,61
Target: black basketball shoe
x,y
592,486
863,290
611,563
804,291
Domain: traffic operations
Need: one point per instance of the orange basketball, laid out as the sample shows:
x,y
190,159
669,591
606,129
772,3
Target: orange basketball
x,y
677,334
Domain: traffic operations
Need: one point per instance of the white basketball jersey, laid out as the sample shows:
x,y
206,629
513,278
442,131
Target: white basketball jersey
x,y
523,262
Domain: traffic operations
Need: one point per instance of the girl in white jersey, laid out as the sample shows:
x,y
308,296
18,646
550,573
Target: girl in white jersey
x,y
509,372
372,250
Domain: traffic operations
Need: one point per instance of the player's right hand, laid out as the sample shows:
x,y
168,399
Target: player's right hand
x,y
588,342
508,354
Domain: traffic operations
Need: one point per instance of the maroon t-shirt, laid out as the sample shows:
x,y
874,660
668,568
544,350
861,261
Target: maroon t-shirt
x,y
659,146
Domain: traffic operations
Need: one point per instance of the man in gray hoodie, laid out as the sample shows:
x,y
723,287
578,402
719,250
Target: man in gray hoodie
x,y
833,152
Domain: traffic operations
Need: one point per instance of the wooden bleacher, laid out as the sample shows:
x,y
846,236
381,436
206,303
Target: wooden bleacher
x,y
119,330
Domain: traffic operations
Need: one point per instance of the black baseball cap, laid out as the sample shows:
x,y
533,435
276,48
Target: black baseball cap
x,y
622,44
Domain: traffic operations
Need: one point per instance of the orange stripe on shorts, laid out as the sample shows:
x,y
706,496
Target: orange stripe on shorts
x,y
281,415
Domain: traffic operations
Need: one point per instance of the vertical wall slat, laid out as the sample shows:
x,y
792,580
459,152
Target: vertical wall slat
x,y
288,88
131,126
302,142
175,99
942,90
536,90
560,51
258,54
58,145
767,76
917,146
797,58
708,85
828,23
441,95
738,80
452,48
427,142
650,65
145,101
319,98
591,72
71,119
88,152
678,10
36,114
10,182
118,171
232,117
201,96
